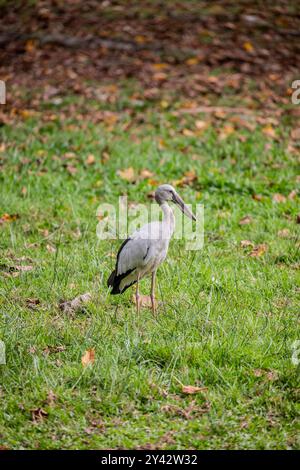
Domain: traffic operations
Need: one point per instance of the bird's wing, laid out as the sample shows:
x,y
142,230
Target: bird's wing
x,y
133,252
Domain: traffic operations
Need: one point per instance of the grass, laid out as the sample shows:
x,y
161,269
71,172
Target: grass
x,y
226,321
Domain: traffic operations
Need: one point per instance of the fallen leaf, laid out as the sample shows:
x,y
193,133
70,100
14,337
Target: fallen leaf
x,y
259,250
192,61
38,414
72,170
201,125
246,243
227,130
53,349
248,46
23,268
257,197
88,358
269,131
295,134
50,248
160,66
188,178
188,133
191,389
90,160
279,198
32,303
245,220
127,174
292,195
51,398
284,233
145,174
8,218
160,76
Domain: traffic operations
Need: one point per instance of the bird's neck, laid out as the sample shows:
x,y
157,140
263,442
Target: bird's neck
x,y
168,218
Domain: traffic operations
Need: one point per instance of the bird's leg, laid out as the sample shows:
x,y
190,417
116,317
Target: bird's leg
x,y
137,296
153,302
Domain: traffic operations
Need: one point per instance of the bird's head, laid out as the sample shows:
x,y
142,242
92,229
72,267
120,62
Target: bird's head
x,y
166,192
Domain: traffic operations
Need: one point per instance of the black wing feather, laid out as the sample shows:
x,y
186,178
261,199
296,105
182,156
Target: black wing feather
x,y
114,279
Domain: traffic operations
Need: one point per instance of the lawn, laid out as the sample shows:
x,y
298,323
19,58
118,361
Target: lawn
x,y
227,316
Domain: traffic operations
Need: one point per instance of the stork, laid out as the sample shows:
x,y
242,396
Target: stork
x,y
142,253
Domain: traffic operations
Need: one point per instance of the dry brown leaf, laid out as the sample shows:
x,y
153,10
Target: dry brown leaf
x,y
245,220
8,218
292,195
32,303
145,174
284,233
160,76
246,243
38,414
127,174
295,134
257,197
23,268
227,130
191,389
201,125
188,133
72,170
259,250
50,248
51,398
188,178
88,358
279,198
90,159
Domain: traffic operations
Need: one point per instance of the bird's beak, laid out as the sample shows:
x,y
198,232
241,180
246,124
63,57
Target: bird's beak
x,y
177,199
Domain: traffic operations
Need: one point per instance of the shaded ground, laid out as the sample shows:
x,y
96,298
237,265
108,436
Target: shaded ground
x,y
246,53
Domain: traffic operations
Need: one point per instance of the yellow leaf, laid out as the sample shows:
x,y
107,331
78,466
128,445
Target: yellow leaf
x,y
88,358
140,39
248,46
160,66
192,61
259,250
30,45
269,131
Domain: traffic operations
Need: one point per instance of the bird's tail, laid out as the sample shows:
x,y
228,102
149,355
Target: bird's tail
x,y
114,281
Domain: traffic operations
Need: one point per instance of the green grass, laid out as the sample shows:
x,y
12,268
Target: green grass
x,y
226,320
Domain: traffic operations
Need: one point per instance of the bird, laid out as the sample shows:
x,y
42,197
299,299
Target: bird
x,y
142,253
